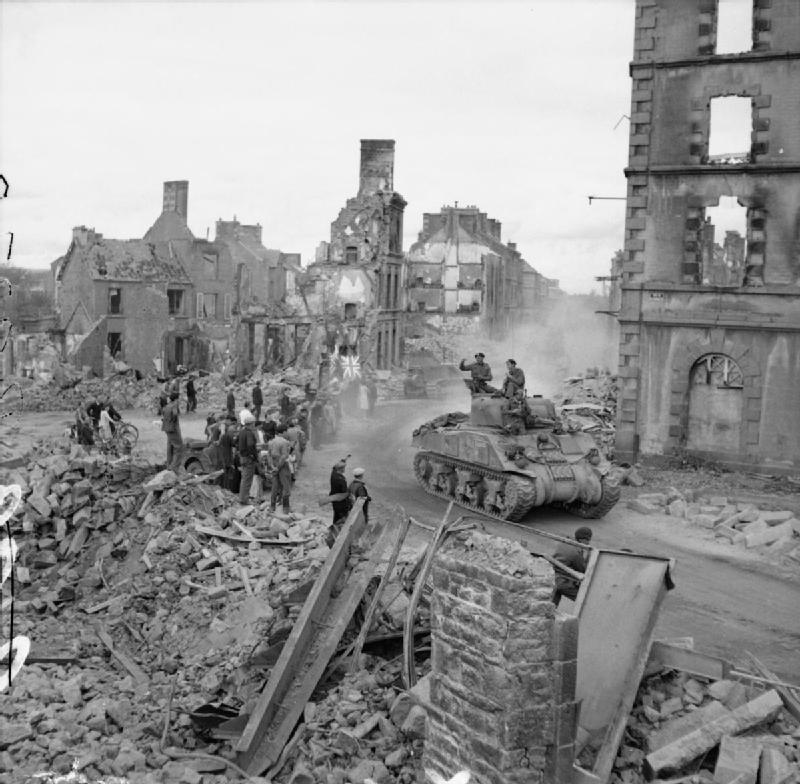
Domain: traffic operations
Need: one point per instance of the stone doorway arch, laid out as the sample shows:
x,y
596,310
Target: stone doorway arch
x,y
716,403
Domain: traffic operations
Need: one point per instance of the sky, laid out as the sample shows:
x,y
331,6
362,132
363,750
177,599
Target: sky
x,y
518,108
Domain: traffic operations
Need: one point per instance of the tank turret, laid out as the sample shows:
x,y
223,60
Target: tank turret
x,y
509,456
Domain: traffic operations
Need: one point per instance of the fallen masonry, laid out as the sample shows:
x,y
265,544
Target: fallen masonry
x,y
775,533
162,630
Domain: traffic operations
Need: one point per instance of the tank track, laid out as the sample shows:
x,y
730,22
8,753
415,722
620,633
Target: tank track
x,y
608,499
523,497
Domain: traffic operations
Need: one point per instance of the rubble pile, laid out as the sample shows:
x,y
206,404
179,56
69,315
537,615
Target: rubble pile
x,y
124,389
190,596
362,729
589,403
773,533
684,725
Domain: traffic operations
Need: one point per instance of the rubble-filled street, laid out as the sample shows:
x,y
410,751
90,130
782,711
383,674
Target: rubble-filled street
x,y
157,606
400,393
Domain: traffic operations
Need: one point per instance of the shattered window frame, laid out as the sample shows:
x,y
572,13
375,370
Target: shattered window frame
x,y
114,343
175,302
722,366
115,301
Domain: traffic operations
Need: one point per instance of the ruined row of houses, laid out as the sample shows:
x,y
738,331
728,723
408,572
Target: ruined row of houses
x,y
170,299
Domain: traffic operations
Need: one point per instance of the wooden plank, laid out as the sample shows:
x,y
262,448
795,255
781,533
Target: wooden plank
x,y
790,702
310,662
409,668
249,755
201,529
689,661
373,606
139,675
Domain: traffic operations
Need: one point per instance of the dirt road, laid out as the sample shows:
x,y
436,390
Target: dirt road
x,y
728,600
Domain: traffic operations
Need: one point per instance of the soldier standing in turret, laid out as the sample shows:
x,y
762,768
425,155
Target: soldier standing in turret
x,y
481,374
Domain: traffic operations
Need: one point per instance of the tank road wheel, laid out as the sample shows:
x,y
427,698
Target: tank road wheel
x,y
444,479
422,470
609,496
493,500
520,496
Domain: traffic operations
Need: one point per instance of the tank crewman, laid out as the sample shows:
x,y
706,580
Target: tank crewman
x,y
575,558
514,381
481,373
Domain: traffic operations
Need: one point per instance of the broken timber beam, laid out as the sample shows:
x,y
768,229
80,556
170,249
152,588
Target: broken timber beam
x,y
311,644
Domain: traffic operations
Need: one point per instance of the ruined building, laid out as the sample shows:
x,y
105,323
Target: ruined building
x,y
169,298
710,292
356,283
460,265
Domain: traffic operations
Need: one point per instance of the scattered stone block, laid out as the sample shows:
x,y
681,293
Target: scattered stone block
x,y
414,725
686,724
401,706
642,508
775,768
770,535
703,520
12,733
677,508
748,513
39,505
756,527
737,761
44,559
674,756
718,500
720,690
775,518
670,706
725,530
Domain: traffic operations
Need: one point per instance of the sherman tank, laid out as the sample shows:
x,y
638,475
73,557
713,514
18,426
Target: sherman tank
x,y
507,457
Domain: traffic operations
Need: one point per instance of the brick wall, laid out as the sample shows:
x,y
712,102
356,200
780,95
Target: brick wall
x,y
503,666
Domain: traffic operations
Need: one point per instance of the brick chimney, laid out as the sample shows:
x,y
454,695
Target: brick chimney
x,y
176,197
377,166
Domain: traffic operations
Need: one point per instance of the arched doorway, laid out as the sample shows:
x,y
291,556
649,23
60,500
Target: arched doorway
x,y
715,405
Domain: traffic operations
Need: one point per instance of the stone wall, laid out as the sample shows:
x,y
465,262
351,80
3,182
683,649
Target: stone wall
x,y
503,666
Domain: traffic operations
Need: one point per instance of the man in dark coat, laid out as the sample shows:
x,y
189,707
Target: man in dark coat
x,y
514,382
230,402
170,424
575,558
226,442
248,456
481,373
258,400
342,507
191,396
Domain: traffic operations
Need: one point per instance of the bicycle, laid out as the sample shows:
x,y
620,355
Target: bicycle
x,y
123,439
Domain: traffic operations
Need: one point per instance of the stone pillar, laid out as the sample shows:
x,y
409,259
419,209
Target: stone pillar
x,y
504,666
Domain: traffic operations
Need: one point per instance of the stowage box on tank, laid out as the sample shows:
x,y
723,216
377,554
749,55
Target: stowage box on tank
x,y
508,456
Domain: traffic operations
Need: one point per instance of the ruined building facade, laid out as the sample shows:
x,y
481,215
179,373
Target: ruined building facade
x,y
460,265
166,299
710,316
356,282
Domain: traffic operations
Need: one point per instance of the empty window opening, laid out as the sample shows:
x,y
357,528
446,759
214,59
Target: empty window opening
x,y
734,26
114,341
350,310
724,243
351,255
730,128
175,302
115,300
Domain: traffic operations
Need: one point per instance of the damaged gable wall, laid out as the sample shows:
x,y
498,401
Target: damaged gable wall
x,y
707,368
